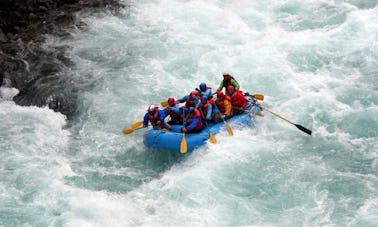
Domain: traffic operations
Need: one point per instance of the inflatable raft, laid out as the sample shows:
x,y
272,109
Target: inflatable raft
x,y
171,140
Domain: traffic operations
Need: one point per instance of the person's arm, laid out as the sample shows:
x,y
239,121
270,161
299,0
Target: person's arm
x,y
235,84
145,120
220,86
209,112
183,99
194,123
176,109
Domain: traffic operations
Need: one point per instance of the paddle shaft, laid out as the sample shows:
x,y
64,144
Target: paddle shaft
x,y
300,127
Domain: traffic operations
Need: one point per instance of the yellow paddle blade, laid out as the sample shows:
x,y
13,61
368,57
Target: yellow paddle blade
x,y
259,97
259,114
136,125
255,113
229,129
183,145
127,131
212,138
164,103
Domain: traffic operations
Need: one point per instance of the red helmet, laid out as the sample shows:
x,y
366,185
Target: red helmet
x,y
171,101
220,94
230,89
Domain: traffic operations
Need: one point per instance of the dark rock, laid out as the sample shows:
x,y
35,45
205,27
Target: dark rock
x,y
33,70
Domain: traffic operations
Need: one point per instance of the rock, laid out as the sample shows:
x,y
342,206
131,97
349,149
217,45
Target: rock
x,y
29,67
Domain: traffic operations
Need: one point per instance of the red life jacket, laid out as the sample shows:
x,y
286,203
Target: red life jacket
x,y
238,99
196,113
154,118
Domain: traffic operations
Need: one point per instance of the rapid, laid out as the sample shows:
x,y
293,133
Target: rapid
x,y
314,61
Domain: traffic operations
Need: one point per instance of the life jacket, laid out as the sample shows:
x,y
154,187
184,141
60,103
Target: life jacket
x,y
154,118
188,120
238,99
190,100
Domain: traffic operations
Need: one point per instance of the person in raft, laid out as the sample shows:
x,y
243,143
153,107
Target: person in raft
x,y
206,108
173,112
238,100
223,102
191,100
192,121
155,116
204,90
228,80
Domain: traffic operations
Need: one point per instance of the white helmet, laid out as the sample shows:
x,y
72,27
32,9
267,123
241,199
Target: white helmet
x,y
151,108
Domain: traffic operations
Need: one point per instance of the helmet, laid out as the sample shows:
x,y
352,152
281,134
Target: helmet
x,y
151,109
226,74
193,93
171,101
230,89
220,94
204,98
202,87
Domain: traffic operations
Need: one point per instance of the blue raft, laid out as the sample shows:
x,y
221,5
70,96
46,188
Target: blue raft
x,y
171,140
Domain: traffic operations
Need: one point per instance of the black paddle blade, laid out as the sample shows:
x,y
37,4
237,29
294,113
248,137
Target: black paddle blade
x,y
300,127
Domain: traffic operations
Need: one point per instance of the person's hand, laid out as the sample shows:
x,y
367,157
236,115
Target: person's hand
x,y
158,123
183,129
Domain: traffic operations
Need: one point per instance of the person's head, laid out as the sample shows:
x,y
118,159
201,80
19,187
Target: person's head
x,y
220,95
151,109
202,87
226,76
192,95
230,89
204,99
171,101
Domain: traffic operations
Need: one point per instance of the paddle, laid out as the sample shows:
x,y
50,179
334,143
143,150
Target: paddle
x,y
300,127
130,130
255,113
212,137
133,127
258,97
183,145
228,127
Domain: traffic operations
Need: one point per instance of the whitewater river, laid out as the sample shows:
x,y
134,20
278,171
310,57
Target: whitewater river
x,y
316,63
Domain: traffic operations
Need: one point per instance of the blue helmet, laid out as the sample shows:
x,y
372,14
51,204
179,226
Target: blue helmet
x,y
202,87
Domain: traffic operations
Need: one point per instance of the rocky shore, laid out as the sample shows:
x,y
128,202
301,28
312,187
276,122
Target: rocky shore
x,y
25,65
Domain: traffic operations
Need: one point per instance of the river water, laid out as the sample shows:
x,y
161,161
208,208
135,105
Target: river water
x,y
315,62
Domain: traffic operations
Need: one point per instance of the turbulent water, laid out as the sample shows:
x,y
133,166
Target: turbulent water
x,y
315,62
